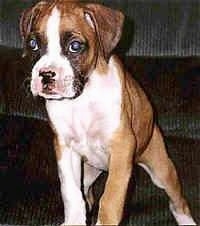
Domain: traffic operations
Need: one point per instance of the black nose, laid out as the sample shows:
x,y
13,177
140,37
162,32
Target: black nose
x,y
47,76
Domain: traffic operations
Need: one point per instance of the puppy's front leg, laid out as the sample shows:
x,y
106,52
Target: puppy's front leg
x,y
120,170
69,169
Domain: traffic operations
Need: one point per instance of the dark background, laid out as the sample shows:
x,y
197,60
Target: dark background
x,y
161,48
160,27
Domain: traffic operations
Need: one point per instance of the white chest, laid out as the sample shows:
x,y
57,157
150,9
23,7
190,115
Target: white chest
x,y
86,124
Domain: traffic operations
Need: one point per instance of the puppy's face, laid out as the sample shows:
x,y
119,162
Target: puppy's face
x,y
65,42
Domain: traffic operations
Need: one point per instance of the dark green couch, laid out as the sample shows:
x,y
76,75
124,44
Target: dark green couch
x,y
29,191
163,55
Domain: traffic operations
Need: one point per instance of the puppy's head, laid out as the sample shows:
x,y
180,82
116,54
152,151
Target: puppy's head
x,y
65,40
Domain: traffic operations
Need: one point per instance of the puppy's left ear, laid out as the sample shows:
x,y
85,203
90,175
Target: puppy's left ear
x,y
107,23
28,16
27,20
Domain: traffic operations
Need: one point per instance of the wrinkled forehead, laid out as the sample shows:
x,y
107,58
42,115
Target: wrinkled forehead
x,y
67,17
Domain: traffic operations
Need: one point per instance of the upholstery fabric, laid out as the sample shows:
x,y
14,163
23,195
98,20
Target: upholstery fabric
x,y
152,27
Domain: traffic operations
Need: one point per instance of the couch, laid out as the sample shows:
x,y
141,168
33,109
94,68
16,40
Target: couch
x,y
168,69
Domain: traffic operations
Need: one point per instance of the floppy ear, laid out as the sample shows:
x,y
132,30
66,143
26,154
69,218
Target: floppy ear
x,y
27,18
108,24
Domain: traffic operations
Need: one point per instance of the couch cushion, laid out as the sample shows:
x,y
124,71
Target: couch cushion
x,y
152,27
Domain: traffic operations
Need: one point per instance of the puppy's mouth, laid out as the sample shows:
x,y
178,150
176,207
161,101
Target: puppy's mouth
x,y
50,88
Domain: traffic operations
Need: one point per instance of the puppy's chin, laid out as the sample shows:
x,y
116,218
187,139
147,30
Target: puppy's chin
x,y
51,96
56,95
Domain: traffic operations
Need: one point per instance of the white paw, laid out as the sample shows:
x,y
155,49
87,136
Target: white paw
x,y
182,219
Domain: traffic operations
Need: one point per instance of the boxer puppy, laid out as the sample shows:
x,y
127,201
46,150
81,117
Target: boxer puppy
x,y
99,113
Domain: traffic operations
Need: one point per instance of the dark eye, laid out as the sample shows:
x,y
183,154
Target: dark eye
x,y
76,47
33,44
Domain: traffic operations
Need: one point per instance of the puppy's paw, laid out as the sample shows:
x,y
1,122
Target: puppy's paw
x,y
182,219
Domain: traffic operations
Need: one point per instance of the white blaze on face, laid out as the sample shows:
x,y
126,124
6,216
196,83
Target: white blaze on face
x,y
54,59
53,34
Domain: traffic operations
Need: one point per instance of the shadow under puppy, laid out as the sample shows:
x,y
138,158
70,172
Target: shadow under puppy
x,y
96,109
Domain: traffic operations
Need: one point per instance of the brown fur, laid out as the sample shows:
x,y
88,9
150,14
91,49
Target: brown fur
x,y
138,139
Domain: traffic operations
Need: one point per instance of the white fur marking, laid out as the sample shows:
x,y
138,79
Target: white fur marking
x,y
85,125
88,122
153,178
53,34
70,177
89,20
181,219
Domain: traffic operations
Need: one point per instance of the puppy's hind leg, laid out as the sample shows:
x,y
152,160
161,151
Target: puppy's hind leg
x,y
157,164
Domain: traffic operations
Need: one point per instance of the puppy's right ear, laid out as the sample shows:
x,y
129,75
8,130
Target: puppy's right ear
x,y
28,17
107,23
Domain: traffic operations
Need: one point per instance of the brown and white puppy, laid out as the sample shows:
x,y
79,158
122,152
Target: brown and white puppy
x,y
98,112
